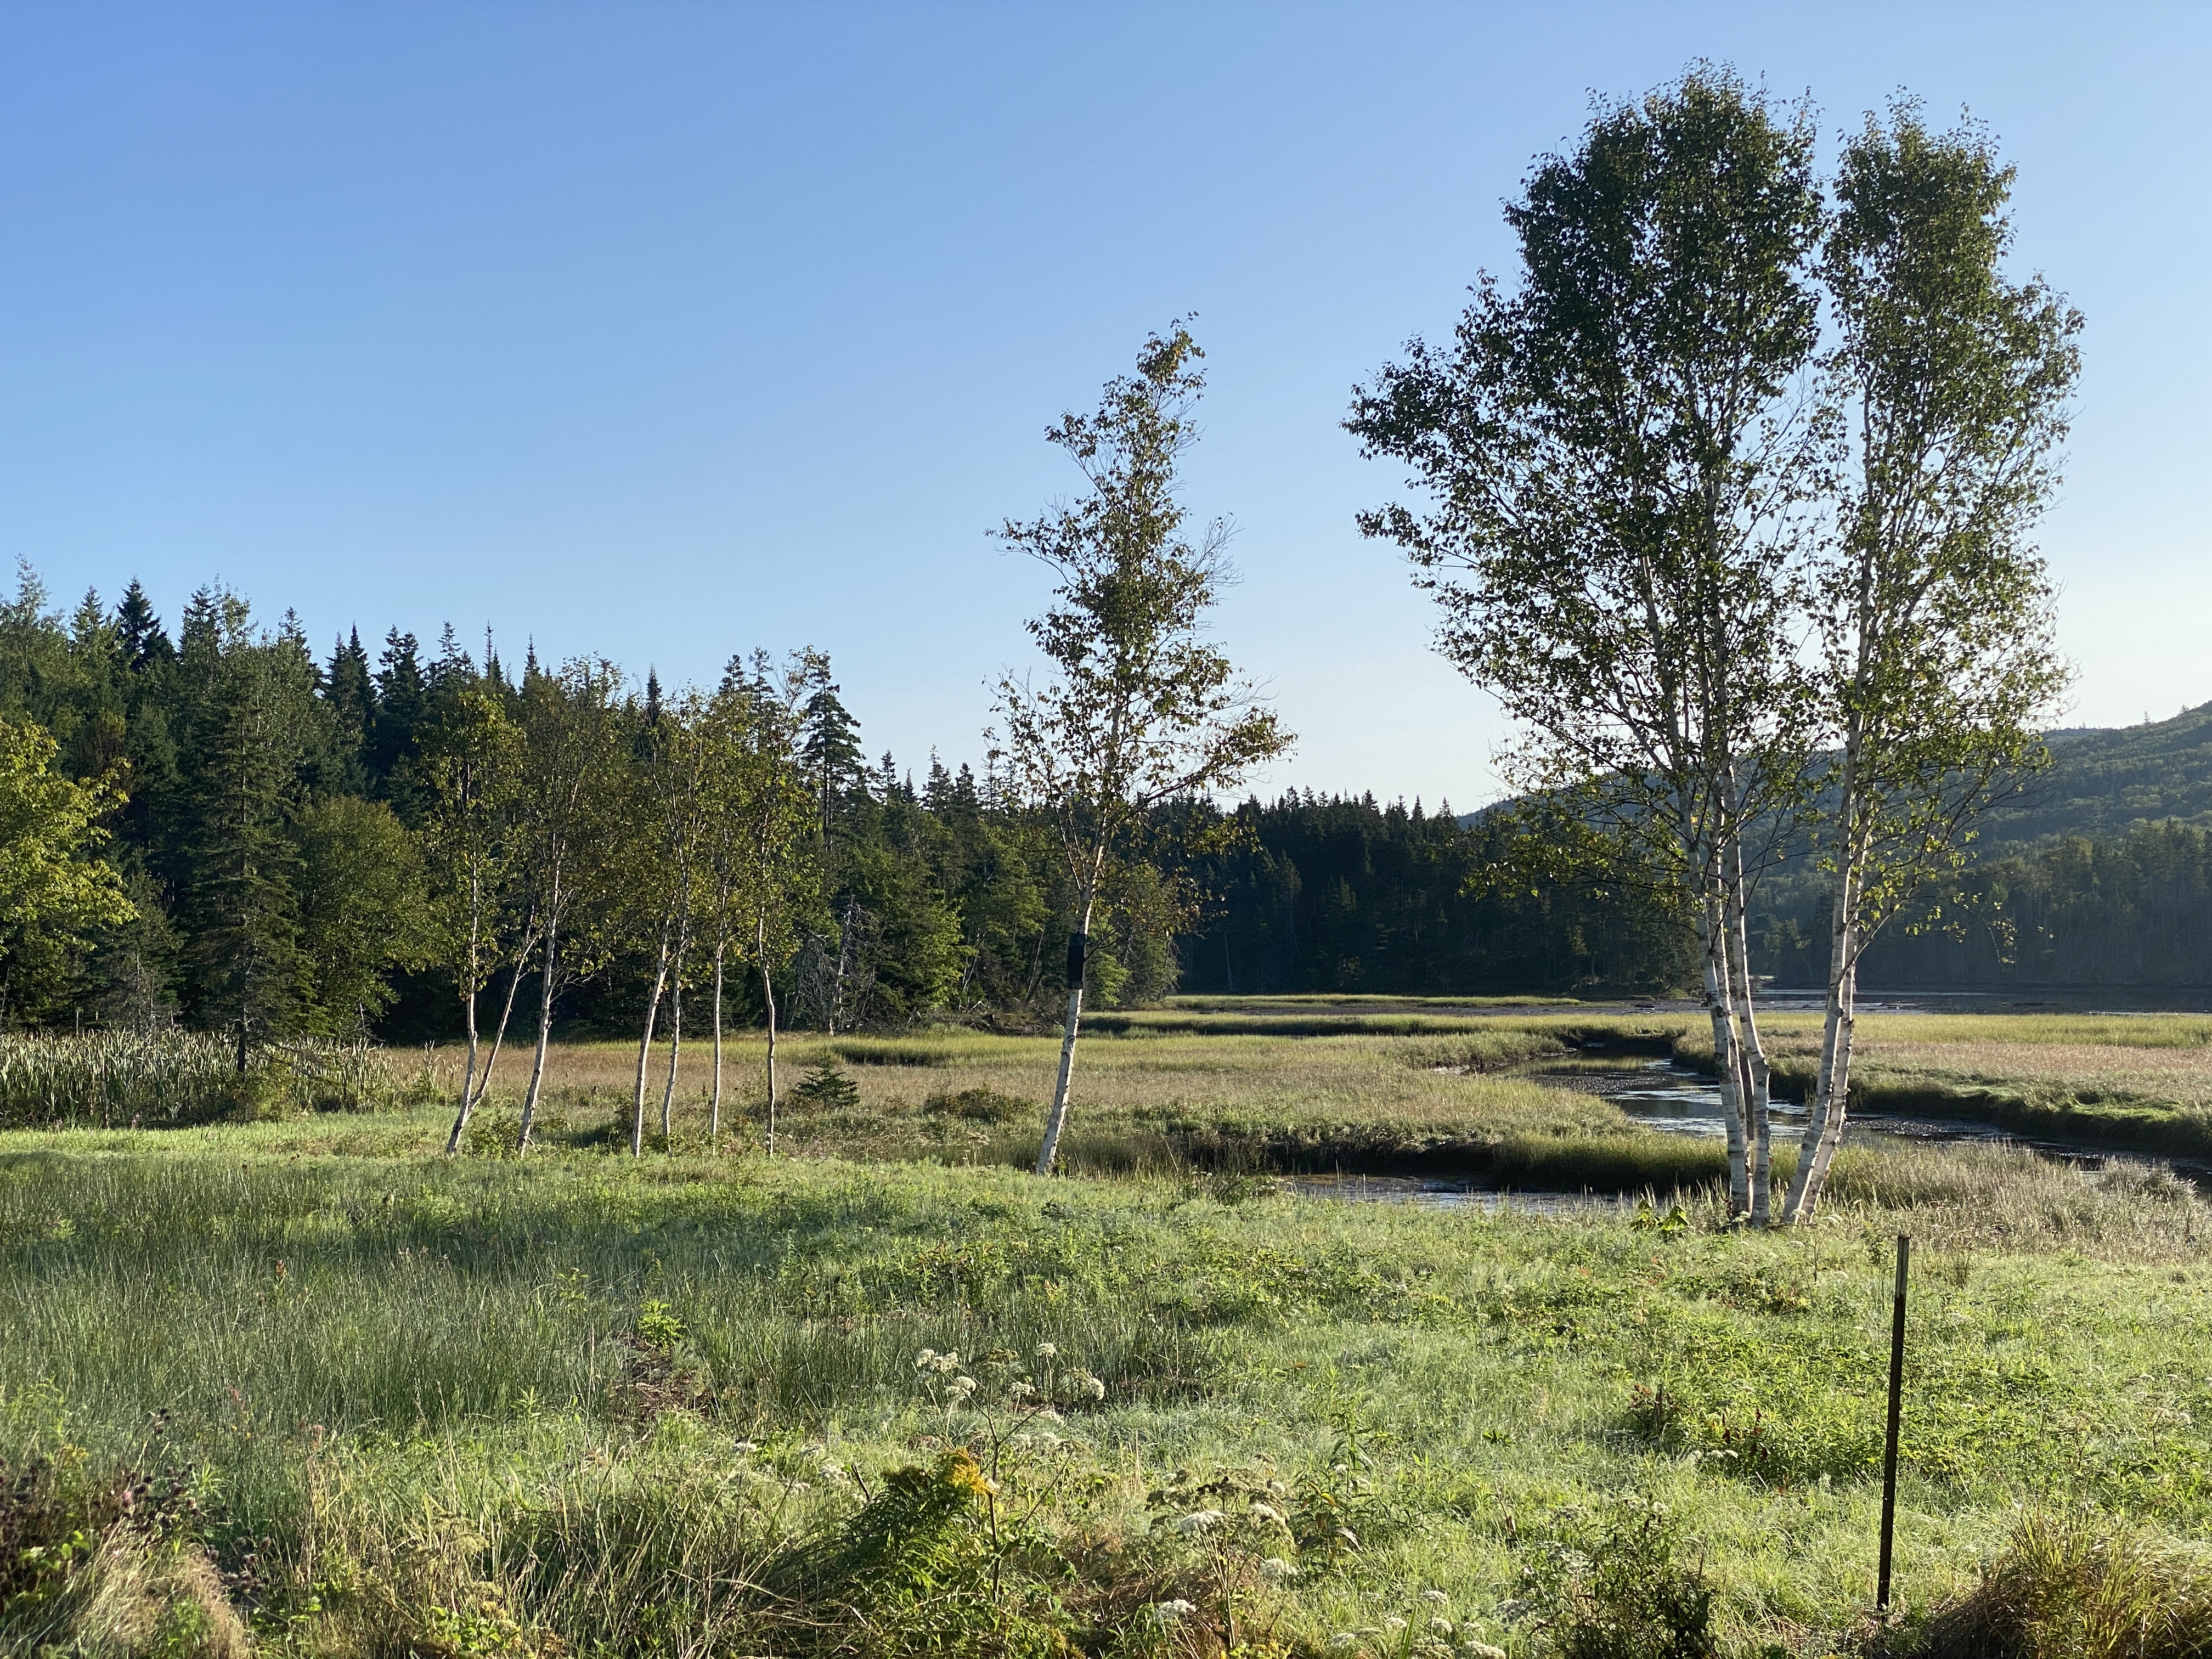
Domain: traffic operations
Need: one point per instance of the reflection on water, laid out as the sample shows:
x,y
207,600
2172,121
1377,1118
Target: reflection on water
x,y
1674,1100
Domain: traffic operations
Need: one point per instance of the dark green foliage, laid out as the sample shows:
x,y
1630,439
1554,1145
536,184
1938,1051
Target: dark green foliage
x,y
2135,909
826,1088
1333,894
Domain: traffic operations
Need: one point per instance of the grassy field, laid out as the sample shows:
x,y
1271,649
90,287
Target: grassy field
x,y
306,1385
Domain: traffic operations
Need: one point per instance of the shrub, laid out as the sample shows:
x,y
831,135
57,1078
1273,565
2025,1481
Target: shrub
x,y
827,1088
1619,1590
979,1105
2084,1586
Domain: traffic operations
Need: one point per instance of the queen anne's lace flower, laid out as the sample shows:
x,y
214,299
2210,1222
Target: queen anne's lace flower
x,y
1199,1521
1169,1612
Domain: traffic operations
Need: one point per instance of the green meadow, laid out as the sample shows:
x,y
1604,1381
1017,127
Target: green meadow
x,y
304,1385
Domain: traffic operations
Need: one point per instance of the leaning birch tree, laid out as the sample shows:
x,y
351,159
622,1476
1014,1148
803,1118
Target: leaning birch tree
x,y
572,757
765,863
1142,707
1617,457
1941,663
469,765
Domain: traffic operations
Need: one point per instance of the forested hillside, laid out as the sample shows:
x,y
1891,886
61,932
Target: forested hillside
x,y
2097,871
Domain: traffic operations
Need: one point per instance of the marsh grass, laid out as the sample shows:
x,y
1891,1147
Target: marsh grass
x,y
574,1401
412,1398
181,1077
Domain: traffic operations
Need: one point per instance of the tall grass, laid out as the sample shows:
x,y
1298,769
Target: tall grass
x,y
114,1079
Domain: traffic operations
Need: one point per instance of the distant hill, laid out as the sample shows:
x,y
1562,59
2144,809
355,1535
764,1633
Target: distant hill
x,y
2102,780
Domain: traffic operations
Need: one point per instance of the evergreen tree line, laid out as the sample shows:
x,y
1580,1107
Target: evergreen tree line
x,y
2134,909
296,838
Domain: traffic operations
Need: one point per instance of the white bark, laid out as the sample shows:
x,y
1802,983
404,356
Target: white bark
x,y
1712,945
1078,967
544,1033
676,1018
768,995
644,1047
1824,1129
1756,1075
714,1104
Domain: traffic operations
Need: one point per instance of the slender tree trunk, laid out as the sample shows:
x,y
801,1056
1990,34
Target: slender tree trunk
x,y
714,1103
506,1011
645,1045
1078,954
676,1022
1712,935
768,995
1824,1127
1757,1076
546,980
468,1001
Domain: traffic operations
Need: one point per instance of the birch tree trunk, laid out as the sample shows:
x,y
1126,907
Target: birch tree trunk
x,y
768,995
714,1103
475,939
1757,1076
470,1099
1712,941
544,1032
645,1046
1077,951
1824,1128
676,1021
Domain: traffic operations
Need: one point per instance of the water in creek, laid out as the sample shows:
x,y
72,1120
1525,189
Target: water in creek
x,y
1675,1100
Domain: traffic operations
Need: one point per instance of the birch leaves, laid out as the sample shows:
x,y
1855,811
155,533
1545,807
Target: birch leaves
x,y
1641,532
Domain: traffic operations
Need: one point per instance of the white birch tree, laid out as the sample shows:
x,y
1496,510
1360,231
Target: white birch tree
x,y
1616,458
1940,660
1142,707
470,763
571,766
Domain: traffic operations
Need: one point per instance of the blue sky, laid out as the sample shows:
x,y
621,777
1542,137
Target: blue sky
x,y
666,329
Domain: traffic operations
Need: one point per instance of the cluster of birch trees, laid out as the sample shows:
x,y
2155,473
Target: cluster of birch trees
x,y
1729,502
566,826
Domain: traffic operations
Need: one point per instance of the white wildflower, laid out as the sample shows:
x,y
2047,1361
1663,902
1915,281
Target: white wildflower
x,y
1442,1627
1046,1351
1199,1521
1020,1391
1279,1488
1474,1649
925,1359
1093,1387
1436,1598
746,1448
1169,1612
1277,1568
1394,1622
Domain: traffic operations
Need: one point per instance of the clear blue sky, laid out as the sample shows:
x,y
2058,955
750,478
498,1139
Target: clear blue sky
x,y
665,329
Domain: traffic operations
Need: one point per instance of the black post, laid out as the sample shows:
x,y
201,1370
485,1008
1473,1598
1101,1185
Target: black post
x,y
1896,1414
